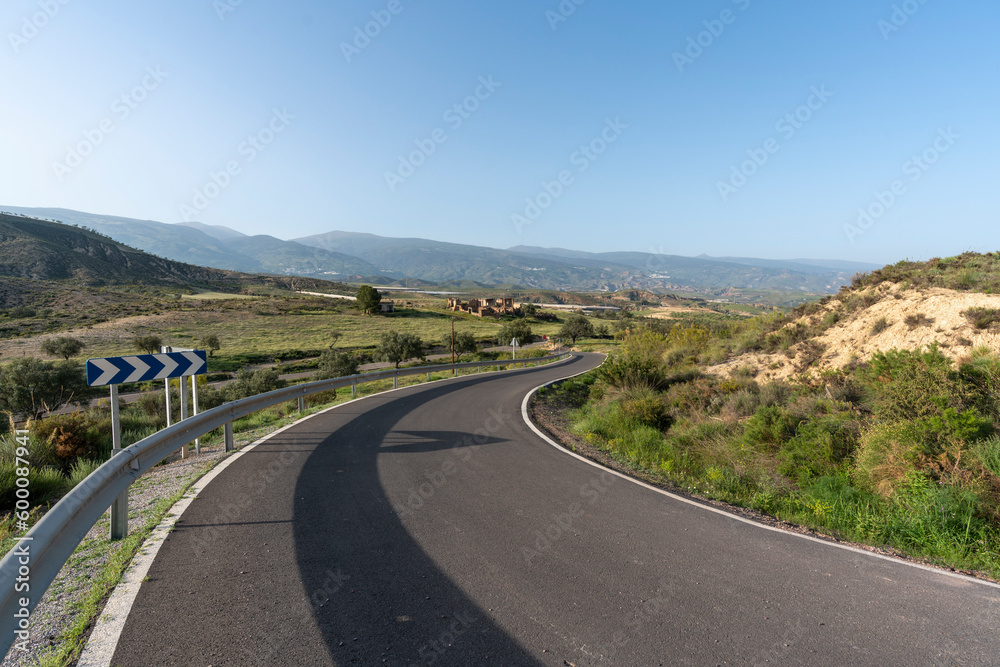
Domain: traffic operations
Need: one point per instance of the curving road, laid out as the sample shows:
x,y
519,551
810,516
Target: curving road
x,y
432,526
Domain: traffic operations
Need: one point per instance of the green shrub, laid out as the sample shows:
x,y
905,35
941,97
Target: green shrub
x,y
334,364
909,384
982,318
818,447
988,453
44,484
698,394
888,455
251,383
84,434
81,469
631,371
917,320
769,428
646,407
742,403
40,452
20,312
881,324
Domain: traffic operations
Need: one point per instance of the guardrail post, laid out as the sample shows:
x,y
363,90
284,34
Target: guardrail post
x,y
354,391
119,508
167,395
194,409
395,380
230,446
182,381
302,404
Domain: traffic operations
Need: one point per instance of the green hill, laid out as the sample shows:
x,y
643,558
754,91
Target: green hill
x,y
53,275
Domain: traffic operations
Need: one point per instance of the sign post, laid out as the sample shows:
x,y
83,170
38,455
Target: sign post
x,y
114,371
166,349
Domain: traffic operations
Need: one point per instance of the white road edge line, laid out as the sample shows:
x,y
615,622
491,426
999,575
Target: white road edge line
x,y
103,641
527,420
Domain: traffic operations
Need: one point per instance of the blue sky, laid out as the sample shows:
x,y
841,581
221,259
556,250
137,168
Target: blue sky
x,y
729,127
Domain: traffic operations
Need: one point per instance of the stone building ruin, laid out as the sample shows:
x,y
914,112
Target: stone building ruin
x,y
492,307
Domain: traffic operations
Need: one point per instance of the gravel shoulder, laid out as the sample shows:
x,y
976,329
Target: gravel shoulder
x,y
63,601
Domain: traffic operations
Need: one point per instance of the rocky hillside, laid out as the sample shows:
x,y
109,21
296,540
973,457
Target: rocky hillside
x,y
954,303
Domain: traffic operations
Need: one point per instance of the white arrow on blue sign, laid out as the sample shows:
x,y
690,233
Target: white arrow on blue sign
x,y
143,367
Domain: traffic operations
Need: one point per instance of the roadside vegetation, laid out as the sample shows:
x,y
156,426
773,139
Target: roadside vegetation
x,y
900,450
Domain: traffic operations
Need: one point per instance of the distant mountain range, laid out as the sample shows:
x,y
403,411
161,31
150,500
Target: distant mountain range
x,y
351,256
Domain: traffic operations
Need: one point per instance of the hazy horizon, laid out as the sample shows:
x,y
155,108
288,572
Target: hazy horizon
x,y
856,131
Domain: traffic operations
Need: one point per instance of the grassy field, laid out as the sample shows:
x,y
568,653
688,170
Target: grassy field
x,y
256,329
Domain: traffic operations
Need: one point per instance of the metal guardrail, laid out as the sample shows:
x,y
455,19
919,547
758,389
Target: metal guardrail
x,y
28,569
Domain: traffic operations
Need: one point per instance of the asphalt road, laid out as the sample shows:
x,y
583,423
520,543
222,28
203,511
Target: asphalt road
x,y
432,526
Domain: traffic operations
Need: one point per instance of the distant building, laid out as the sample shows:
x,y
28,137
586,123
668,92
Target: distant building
x,y
493,307
387,307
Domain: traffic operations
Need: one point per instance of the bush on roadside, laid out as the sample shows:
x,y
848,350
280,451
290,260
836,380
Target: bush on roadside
x,y
44,484
888,455
74,435
646,407
252,382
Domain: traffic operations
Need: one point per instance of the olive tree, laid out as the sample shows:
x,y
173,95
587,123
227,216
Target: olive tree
x,y
396,348
63,346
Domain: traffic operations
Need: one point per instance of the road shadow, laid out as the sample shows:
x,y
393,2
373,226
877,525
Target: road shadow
x,y
376,596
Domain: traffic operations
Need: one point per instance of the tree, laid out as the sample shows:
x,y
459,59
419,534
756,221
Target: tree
x,y
602,331
529,309
335,364
334,337
518,329
577,326
251,383
368,299
210,343
396,347
31,387
149,344
465,343
62,346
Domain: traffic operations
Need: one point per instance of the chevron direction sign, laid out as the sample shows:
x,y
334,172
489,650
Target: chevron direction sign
x,y
143,367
